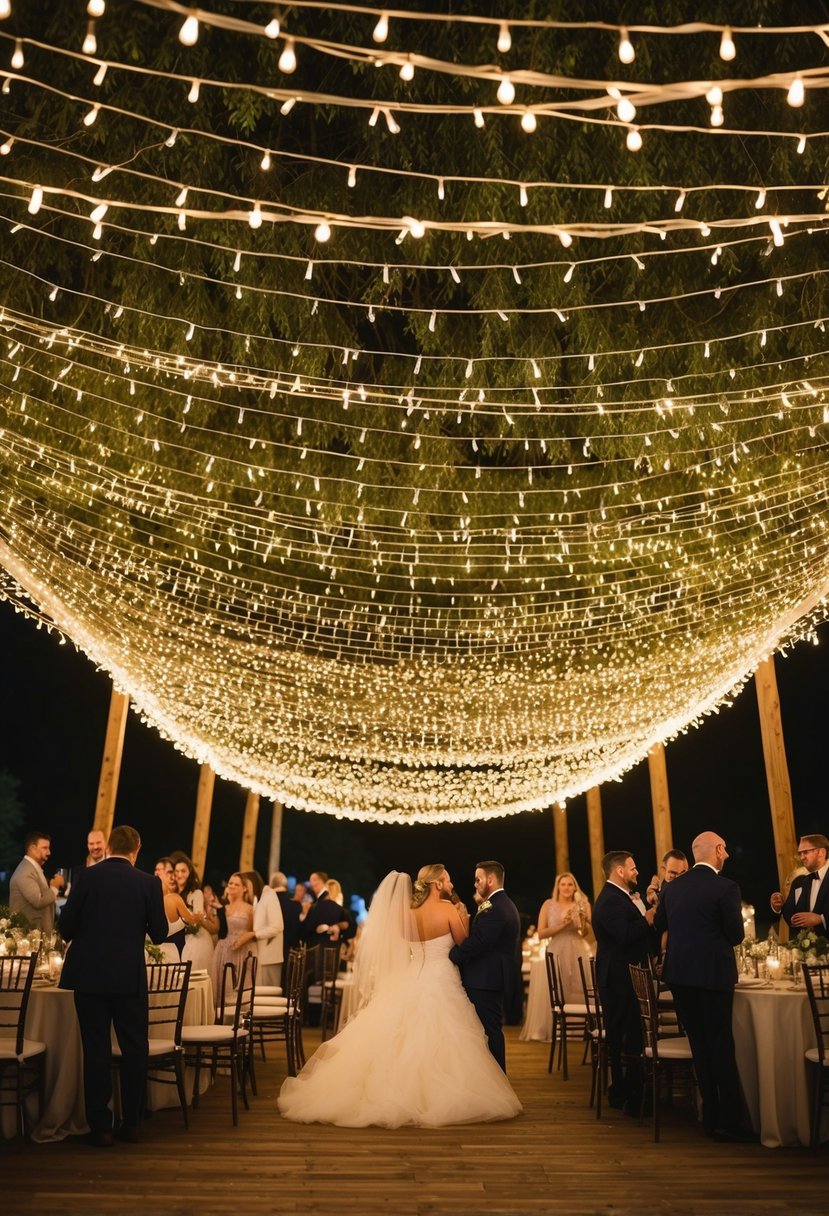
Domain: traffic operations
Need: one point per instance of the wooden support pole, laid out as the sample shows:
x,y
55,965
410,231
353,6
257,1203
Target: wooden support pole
x,y
275,850
660,803
111,763
201,827
595,830
560,832
249,832
777,770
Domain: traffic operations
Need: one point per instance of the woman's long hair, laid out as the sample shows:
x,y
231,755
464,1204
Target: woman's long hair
x,y
577,894
426,876
193,882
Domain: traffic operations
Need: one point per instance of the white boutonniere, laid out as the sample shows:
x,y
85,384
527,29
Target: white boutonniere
x,y
485,906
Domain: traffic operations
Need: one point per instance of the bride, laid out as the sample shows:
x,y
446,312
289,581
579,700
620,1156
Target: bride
x,y
415,1051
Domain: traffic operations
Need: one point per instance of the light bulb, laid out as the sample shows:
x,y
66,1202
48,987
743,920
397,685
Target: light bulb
x,y
626,52
626,110
529,122
98,78
796,94
265,162
727,48
6,147
504,38
381,30
5,9
96,8
352,176
407,70
714,96
91,115
478,115
272,28
181,197
188,35
17,57
565,239
287,60
98,213
90,42
417,228
36,201
633,140
322,232
717,118
255,217
195,89
506,91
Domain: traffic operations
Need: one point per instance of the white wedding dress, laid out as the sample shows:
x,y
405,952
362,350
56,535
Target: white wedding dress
x,y
416,1054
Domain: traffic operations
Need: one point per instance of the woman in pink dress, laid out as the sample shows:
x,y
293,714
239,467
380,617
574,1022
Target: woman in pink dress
x,y
564,922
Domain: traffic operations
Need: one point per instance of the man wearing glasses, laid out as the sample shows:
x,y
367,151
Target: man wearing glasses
x,y
807,904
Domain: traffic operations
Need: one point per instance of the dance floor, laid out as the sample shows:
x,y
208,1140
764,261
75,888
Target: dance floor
x,y
555,1158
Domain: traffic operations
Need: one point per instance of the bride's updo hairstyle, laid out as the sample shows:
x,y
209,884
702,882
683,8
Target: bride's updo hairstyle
x,y
425,877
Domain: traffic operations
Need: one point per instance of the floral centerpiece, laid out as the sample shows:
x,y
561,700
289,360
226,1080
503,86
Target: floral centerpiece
x,y
808,946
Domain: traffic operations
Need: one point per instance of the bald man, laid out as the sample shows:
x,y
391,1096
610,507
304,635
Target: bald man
x,y
701,911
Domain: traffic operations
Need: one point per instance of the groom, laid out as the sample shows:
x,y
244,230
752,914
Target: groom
x,y
487,957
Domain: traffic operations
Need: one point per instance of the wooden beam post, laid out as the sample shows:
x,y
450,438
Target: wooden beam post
x,y
275,850
560,833
249,832
595,830
201,827
111,763
777,770
660,803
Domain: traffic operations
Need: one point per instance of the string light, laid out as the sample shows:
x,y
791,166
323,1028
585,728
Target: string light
x,y
626,52
18,59
322,232
287,60
504,38
272,28
529,121
381,30
90,42
96,8
633,140
796,94
727,47
506,91
188,35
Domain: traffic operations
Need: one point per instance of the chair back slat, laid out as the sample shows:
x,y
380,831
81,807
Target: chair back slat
x,y
587,970
554,983
167,986
643,986
816,976
16,975
245,991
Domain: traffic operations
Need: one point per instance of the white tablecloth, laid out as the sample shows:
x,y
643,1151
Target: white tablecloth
x,y
51,1019
772,1029
538,1023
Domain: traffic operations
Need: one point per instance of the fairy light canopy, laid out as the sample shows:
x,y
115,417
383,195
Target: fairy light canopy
x,y
420,412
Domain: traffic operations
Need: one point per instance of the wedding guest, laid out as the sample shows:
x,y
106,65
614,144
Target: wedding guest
x,y
701,913
290,911
623,936
346,925
673,864
268,931
211,900
323,917
177,913
563,922
304,898
235,919
30,894
111,910
807,903
198,939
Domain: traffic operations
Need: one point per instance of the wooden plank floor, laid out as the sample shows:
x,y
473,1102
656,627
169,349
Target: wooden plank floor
x,y
555,1158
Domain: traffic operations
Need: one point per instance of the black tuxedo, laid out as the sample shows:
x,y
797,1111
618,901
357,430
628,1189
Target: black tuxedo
x,y
798,899
325,911
623,936
487,965
290,916
702,913
109,912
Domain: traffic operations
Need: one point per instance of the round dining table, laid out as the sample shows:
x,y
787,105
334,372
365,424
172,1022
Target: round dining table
x,y
51,1019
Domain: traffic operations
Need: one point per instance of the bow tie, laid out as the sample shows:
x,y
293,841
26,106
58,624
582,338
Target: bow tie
x,y
811,877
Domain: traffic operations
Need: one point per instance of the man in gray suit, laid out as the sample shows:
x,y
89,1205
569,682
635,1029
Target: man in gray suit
x,y
30,893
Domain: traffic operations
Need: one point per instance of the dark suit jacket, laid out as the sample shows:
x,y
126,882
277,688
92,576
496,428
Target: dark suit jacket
x,y
623,936
702,912
109,912
797,901
487,957
290,916
324,912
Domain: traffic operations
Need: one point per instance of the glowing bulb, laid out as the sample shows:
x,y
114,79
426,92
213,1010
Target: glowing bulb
x,y
529,122
626,109
188,35
407,70
565,239
98,213
91,115
776,231
287,60
5,9
796,94
626,52
381,30
98,78
195,89
716,116
633,140
478,116
272,28
322,232
96,8
90,42
36,201
714,96
6,147
504,38
255,217
727,48
506,91
417,228
265,162
352,176
17,57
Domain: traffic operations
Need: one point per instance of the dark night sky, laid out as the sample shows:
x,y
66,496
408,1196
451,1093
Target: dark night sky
x,y
53,719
